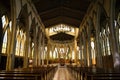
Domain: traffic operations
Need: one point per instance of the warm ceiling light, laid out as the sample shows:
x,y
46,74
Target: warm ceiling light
x,y
62,28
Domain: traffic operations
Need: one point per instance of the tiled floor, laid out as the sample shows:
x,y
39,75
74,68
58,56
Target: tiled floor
x,y
63,74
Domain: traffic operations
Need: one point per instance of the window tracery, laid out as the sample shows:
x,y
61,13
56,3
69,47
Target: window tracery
x,y
20,42
5,37
105,42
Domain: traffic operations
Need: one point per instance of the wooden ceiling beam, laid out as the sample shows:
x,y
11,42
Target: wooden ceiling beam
x,y
61,9
62,19
44,19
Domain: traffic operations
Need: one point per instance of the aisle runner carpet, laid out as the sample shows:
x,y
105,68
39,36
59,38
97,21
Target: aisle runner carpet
x,y
63,74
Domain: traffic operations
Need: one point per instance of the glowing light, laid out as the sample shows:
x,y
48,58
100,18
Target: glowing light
x,y
3,21
62,28
92,44
10,24
4,46
73,55
115,23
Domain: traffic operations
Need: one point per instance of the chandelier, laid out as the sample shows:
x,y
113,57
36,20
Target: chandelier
x,y
61,28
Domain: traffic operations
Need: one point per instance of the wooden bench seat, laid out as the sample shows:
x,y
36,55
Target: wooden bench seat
x,y
20,75
102,76
35,73
90,73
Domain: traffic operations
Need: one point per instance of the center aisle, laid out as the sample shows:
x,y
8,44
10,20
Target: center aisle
x,y
63,74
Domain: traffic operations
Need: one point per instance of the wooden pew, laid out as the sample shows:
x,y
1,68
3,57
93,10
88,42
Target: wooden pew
x,y
102,76
34,73
90,73
21,75
18,77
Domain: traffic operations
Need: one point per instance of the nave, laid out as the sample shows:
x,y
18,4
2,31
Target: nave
x,y
63,74
35,34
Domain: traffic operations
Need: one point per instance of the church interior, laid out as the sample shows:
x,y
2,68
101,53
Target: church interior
x,y
60,40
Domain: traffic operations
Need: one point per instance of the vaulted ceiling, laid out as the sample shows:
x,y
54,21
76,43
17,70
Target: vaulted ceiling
x,y
53,12
70,12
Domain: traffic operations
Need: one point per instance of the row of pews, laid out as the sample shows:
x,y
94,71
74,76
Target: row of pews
x,y
33,73
93,73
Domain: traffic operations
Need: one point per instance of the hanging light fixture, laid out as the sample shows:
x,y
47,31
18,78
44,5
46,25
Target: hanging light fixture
x,y
61,28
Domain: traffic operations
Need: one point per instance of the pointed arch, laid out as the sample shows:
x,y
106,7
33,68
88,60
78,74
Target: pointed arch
x,y
5,33
20,42
32,32
22,26
4,21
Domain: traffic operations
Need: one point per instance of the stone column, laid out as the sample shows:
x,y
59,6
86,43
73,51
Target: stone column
x,y
8,49
115,53
37,53
52,50
35,46
58,55
58,48
89,41
80,47
75,51
39,50
1,37
54,56
26,48
70,53
31,57
43,46
11,55
48,52
84,51
97,43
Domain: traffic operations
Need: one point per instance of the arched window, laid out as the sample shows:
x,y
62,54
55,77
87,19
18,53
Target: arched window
x,y
20,42
93,51
108,46
4,22
4,45
10,25
73,55
105,40
102,41
17,43
56,52
5,37
32,49
108,40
